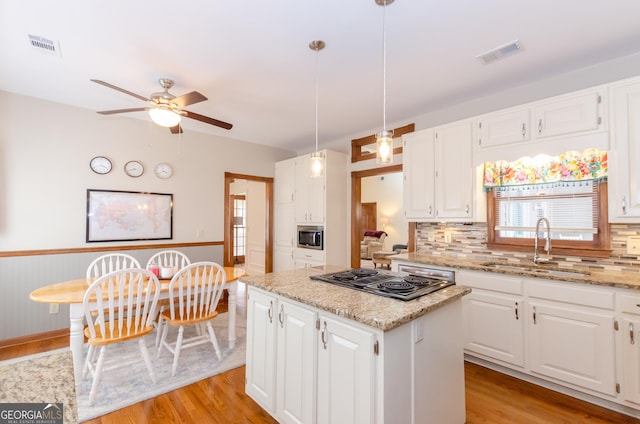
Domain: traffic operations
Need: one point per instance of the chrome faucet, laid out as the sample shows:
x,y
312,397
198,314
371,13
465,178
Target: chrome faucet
x,y
547,244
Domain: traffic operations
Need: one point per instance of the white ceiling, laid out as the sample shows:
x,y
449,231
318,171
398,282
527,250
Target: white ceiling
x,y
251,57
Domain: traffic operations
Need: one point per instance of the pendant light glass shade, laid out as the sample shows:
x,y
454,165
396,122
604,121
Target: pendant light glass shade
x,y
384,140
164,117
384,147
317,158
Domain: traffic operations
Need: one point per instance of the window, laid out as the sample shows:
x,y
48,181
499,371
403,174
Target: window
x,y
577,212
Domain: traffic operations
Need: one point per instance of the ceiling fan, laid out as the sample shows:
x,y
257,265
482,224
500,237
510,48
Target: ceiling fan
x,y
166,109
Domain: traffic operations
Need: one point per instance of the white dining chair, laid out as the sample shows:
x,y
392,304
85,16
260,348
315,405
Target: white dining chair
x,y
194,293
111,262
166,258
118,306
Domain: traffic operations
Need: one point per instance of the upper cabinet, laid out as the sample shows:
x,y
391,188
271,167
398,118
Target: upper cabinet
x,y
624,173
310,194
568,115
508,127
438,174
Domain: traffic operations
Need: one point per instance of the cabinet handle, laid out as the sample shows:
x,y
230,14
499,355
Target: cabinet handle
x,y
534,315
324,330
624,205
466,209
430,210
632,339
270,313
310,216
281,316
516,311
524,130
539,126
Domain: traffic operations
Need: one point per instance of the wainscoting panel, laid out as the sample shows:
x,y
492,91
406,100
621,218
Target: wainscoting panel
x,y
20,275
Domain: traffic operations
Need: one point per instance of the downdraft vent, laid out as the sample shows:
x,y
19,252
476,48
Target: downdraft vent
x,y
44,45
500,52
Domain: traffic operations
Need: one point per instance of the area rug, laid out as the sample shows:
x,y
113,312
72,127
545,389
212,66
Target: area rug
x,y
40,379
130,384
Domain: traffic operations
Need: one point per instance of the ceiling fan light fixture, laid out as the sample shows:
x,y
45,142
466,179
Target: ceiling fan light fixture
x,y
164,117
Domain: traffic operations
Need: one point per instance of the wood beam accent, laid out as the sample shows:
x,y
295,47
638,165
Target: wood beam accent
x,y
358,143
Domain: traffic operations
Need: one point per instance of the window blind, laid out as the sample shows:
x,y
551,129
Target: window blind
x,y
570,206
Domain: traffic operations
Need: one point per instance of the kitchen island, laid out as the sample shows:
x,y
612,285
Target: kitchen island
x,y
321,353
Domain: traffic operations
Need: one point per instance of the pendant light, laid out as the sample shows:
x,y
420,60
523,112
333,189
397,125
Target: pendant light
x,y
317,158
384,139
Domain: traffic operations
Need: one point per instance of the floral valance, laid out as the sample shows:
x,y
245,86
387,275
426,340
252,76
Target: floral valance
x,y
570,166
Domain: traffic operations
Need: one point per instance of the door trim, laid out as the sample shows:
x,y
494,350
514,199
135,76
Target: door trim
x,y
356,211
228,212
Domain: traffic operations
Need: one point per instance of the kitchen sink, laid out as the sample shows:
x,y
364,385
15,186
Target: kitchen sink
x,y
534,269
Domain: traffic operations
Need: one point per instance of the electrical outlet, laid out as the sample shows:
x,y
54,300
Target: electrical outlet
x,y
54,308
633,245
447,236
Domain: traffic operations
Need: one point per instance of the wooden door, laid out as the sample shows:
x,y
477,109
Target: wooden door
x,y
369,217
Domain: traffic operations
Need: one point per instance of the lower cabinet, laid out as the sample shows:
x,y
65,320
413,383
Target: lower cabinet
x,y
307,258
561,332
629,345
305,365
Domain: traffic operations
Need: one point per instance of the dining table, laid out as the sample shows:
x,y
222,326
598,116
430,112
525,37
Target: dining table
x,y
72,293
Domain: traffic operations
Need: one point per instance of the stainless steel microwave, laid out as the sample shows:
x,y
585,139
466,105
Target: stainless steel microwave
x,y
311,237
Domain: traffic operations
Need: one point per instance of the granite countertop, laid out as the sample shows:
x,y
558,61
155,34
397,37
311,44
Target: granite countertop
x,y
618,279
369,309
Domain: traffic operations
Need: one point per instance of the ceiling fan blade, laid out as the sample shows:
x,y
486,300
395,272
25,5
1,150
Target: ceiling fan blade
x,y
176,130
111,112
207,120
122,90
188,99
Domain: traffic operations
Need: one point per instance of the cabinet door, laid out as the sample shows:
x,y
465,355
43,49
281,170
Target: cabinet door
x,y
296,364
573,344
261,349
418,169
566,116
346,375
285,177
494,326
504,128
454,171
309,192
631,357
624,186
285,236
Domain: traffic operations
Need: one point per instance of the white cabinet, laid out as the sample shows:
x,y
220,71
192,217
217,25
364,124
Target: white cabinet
x,y
560,332
624,172
307,258
346,383
309,193
285,230
573,344
281,346
566,115
629,345
493,317
505,127
438,174
419,177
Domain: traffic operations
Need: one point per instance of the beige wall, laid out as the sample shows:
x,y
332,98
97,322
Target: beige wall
x,y
386,191
45,149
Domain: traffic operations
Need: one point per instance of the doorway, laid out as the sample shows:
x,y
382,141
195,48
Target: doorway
x,y
357,211
259,191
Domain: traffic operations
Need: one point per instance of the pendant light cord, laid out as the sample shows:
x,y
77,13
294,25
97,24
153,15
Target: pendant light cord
x,y
384,70
317,53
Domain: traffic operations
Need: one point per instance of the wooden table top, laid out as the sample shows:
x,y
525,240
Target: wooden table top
x,y
72,291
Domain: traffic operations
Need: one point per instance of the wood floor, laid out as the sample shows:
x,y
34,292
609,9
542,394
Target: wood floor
x,y
491,398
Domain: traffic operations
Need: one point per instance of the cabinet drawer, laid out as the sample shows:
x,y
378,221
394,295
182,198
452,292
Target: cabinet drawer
x,y
564,292
629,304
310,254
489,281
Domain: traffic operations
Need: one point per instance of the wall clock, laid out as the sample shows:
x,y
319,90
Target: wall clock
x,y
163,170
133,168
100,165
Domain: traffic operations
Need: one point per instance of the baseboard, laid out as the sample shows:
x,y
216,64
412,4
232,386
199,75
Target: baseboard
x,y
33,338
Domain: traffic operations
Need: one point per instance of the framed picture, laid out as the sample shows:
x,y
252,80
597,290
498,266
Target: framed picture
x,y
128,215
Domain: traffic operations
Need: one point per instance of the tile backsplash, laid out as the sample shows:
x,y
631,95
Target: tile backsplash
x,y
470,241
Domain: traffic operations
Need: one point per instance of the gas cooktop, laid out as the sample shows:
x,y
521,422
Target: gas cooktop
x,y
407,287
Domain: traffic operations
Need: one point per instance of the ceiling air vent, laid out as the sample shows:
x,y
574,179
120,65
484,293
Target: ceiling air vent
x,y
499,52
44,45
